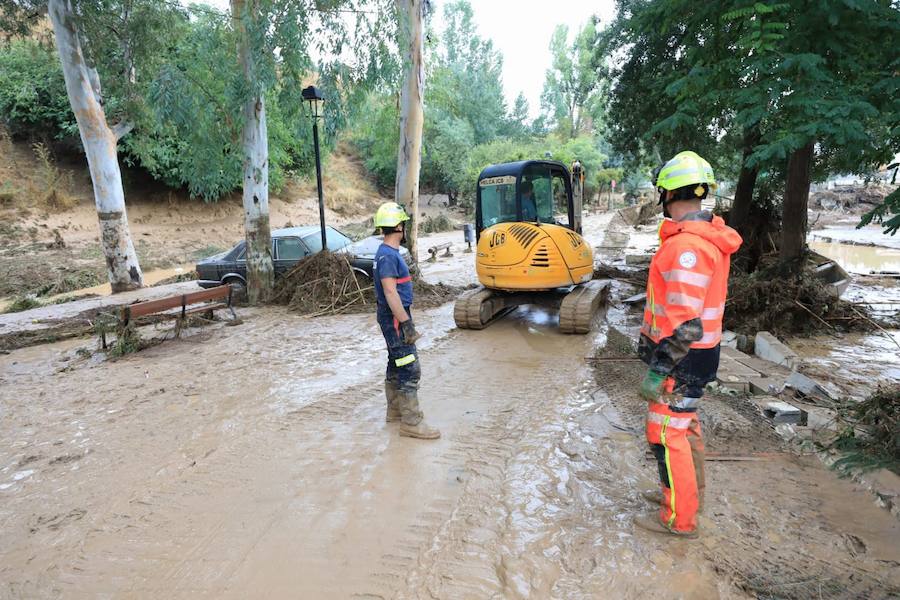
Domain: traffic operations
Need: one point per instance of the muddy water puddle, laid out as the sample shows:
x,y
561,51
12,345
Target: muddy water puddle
x,y
860,259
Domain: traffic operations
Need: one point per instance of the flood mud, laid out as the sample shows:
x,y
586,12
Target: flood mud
x,y
254,461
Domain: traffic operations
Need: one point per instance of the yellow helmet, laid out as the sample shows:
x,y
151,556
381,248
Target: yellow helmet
x,y
390,214
684,169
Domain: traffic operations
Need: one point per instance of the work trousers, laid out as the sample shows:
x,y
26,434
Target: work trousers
x,y
403,368
676,439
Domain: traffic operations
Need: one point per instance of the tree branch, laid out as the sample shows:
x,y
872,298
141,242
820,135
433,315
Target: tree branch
x,y
121,129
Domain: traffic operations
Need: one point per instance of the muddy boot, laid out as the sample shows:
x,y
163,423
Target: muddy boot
x,y
421,431
414,424
654,497
393,402
652,523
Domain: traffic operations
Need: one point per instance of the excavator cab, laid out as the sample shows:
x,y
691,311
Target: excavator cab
x,y
530,248
534,191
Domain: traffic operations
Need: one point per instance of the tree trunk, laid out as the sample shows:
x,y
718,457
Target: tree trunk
x,y
260,270
739,215
99,141
409,152
794,210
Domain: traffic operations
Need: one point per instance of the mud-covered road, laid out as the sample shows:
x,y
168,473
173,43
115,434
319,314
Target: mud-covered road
x,y
254,462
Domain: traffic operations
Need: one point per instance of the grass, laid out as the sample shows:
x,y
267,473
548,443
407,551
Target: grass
x,y
436,224
22,303
69,282
206,251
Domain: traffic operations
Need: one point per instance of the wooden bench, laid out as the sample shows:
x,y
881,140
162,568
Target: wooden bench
x,y
207,301
435,249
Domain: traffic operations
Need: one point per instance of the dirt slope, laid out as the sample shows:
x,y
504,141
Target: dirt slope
x,y
55,243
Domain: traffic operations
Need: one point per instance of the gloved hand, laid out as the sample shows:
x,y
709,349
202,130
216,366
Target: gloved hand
x,y
408,333
652,385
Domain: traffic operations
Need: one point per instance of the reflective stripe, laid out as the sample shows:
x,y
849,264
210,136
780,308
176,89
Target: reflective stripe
x,y
662,437
710,337
674,422
679,172
647,330
688,277
679,299
714,312
656,309
405,360
406,279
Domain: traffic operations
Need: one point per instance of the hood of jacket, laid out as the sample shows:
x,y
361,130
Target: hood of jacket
x,y
715,231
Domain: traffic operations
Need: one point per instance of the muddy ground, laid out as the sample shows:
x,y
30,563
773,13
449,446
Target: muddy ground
x,y
253,461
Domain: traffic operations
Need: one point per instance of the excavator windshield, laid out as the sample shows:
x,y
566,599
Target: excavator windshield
x,y
527,191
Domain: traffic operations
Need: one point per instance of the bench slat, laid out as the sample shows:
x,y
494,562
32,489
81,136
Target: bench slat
x,y
141,309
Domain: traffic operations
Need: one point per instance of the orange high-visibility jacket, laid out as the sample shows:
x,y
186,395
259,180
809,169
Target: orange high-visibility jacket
x,y
689,279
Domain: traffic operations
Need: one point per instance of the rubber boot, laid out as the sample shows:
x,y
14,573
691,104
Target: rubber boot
x,y
413,422
422,431
392,415
652,523
654,497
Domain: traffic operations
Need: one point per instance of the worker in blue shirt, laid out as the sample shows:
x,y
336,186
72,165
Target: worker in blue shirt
x,y
394,293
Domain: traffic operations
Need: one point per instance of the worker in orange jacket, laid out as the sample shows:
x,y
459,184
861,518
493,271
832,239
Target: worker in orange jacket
x,y
680,337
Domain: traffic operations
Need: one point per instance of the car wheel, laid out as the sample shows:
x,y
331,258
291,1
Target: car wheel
x,y
238,289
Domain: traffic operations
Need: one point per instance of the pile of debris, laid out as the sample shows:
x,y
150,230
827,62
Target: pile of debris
x,y
853,198
326,284
869,435
768,301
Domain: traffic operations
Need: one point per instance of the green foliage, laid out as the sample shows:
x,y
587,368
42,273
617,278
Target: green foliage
x,y
573,86
33,101
376,134
890,206
869,435
436,224
22,303
700,76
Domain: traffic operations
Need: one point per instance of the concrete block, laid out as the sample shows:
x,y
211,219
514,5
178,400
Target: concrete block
x,y
808,386
638,260
730,339
766,385
782,412
768,347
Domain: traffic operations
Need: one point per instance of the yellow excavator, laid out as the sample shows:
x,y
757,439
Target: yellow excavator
x,y
530,249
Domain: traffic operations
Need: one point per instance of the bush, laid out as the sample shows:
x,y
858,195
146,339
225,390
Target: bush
x,y
436,224
33,99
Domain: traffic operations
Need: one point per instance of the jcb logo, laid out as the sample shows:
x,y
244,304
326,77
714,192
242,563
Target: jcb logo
x,y
498,238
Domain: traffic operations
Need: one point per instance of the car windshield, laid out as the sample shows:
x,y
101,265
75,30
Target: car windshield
x,y
334,238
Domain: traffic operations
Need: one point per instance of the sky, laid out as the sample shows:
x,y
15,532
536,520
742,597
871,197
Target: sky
x,y
521,30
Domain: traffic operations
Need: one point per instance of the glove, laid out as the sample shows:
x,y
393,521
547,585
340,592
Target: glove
x,y
408,333
652,385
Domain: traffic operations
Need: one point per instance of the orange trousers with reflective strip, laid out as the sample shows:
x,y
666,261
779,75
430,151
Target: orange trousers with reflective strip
x,y
677,443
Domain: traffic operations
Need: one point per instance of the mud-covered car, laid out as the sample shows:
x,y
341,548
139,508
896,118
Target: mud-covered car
x,y
289,246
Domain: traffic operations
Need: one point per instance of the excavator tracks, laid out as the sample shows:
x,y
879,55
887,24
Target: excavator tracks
x,y
475,309
479,307
576,313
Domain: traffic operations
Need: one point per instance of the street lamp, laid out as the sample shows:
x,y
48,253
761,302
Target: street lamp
x,y
315,105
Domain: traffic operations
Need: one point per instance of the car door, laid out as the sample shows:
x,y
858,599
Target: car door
x,y
288,250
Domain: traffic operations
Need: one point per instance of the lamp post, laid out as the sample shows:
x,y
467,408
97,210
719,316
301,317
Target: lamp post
x,y
316,103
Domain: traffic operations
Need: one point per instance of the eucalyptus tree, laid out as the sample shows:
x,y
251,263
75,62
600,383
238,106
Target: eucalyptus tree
x,y
116,41
411,16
